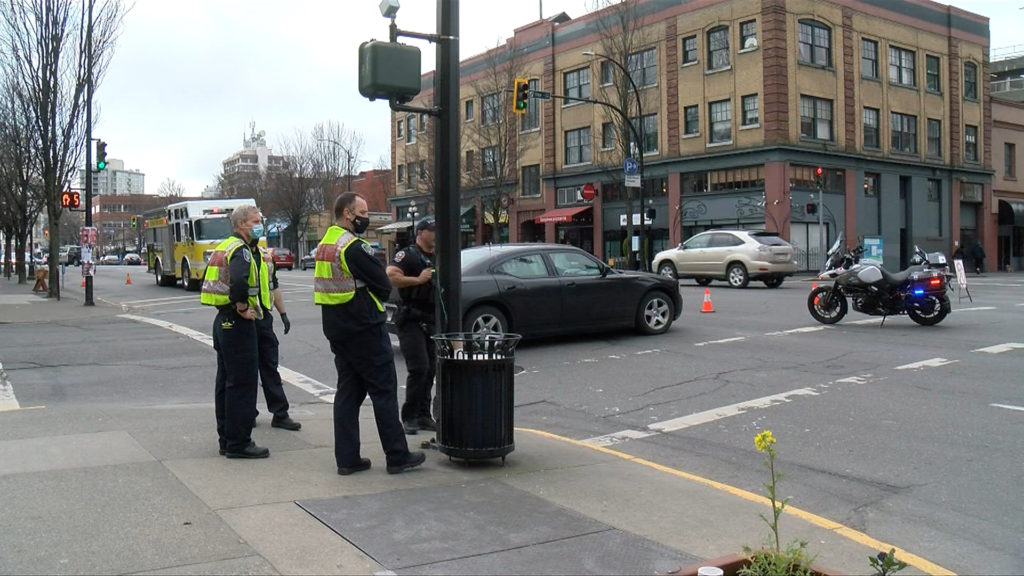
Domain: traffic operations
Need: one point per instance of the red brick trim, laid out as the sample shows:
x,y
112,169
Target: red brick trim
x,y
849,97
986,100
955,128
776,71
672,88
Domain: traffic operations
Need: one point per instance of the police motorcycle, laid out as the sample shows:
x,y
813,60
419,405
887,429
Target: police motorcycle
x,y
919,291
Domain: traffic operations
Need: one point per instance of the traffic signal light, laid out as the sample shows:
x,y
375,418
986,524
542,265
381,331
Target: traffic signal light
x,y
819,178
70,200
134,221
521,91
101,155
812,207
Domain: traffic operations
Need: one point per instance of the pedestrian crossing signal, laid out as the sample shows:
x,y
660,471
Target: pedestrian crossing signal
x,y
70,200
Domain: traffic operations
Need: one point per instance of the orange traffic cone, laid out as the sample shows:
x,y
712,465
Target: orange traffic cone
x,y
127,278
706,306
83,281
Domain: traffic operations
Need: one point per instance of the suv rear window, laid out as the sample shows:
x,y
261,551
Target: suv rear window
x,y
769,239
282,252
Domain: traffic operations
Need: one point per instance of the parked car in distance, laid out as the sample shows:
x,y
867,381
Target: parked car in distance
x,y
71,255
736,256
132,259
309,260
282,258
548,289
110,259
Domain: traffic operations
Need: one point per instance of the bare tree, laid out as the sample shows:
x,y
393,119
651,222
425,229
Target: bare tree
x,y
494,172
622,37
43,52
19,177
170,188
297,190
336,153
387,184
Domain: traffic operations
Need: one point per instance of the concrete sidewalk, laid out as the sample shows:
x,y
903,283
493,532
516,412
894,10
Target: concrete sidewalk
x,y
141,489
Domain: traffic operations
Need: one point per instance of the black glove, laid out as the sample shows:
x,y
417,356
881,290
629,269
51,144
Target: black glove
x,y
287,324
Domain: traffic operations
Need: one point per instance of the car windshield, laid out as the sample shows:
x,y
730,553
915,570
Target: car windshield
x,y
212,228
769,239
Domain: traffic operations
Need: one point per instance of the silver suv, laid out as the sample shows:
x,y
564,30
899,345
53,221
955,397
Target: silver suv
x,y
736,256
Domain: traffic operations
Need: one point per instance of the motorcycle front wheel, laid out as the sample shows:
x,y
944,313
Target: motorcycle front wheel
x,y
826,307
932,317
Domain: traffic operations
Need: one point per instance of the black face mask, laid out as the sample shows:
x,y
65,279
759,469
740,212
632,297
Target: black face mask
x,y
360,224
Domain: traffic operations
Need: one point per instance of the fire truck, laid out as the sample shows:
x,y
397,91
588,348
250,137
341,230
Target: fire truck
x,y
181,238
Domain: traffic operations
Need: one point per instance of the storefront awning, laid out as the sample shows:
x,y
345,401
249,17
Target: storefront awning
x,y
1012,214
560,214
394,227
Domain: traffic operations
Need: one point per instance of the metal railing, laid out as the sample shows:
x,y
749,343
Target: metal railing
x,y
1008,85
1007,52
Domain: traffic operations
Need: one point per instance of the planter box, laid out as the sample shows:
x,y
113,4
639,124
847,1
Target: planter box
x,y
731,565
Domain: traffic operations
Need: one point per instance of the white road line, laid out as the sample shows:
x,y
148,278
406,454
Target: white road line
x,y
154,300
730,410
1008,407
7,399
618,437
975,309
1000,348
300,381
722,341
929,363
1021,304
797,330
868,321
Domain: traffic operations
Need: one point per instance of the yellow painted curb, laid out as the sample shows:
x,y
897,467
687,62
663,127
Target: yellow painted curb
x,y
861,538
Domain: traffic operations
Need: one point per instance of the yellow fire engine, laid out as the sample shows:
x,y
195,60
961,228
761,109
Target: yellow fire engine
x,y
181,237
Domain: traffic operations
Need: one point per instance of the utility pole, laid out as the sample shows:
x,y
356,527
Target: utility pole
x,y
446,154
88,150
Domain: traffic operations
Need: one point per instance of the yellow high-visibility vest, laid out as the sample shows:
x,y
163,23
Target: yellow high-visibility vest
x,y
217,281
333,283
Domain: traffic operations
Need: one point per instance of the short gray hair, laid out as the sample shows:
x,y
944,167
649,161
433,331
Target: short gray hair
x,y
241,213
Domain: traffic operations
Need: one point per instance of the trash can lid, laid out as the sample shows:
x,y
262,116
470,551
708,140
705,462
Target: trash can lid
x,y
476,344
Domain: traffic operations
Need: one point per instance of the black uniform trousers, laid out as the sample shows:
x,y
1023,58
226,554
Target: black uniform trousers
x,y
235,340
366,365
420,362
273,389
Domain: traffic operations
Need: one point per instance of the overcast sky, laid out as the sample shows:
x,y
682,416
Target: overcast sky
x,y
188,76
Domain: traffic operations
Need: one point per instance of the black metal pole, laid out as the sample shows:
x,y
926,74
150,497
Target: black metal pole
x,y
446,171
88,152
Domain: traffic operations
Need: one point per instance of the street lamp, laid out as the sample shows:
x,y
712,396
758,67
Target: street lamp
x,y
640,147
348,157
412,213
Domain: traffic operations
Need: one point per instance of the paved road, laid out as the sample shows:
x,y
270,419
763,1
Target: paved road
x,y
908,433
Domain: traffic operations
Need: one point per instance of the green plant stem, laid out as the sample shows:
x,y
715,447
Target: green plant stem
x,y
775,509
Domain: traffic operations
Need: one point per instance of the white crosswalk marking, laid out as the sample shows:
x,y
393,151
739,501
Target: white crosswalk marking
x,y
730,410
7,399
1000,348
929,363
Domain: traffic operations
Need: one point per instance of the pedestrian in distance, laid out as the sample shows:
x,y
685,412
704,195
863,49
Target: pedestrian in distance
x,y
412,273
349,285
232,285
270,377
978,253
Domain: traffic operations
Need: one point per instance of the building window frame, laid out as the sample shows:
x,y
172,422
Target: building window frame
x,y
870,119
576,84
530,181
578,147
970,81
748,32
467,166
902,67
814,44
750,105
410,129
816,116
720,122
690,50
643,67
871,184
869,58
903,133
489,162
691,120
718,48
933,77
399,129
607,73
650,132
607,135
970,143
934,149
490,109
468,110
1009,160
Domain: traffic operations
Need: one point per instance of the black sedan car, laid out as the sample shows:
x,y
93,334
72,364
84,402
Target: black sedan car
x,y
548,289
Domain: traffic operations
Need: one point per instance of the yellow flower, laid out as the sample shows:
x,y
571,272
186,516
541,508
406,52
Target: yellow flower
x,y
764,440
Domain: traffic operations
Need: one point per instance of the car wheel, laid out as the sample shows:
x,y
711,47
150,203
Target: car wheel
x,y
654,315
668,270
702,281
737,276
485,320
774,281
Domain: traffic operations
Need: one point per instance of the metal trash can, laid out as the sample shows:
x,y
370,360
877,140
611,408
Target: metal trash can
x,y
476,394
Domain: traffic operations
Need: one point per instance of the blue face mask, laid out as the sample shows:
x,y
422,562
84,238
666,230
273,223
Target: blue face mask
x,y
257,232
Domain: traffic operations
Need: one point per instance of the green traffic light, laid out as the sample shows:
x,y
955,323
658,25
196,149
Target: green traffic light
x,y
101,165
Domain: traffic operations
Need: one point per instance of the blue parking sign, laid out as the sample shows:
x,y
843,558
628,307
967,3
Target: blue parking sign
x,y
630,167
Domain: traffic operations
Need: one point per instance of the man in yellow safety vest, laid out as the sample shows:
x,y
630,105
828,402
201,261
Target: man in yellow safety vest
x,y
349,284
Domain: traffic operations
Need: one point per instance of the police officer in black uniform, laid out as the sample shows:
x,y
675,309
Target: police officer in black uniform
x,y
270,376
412,272
237,346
